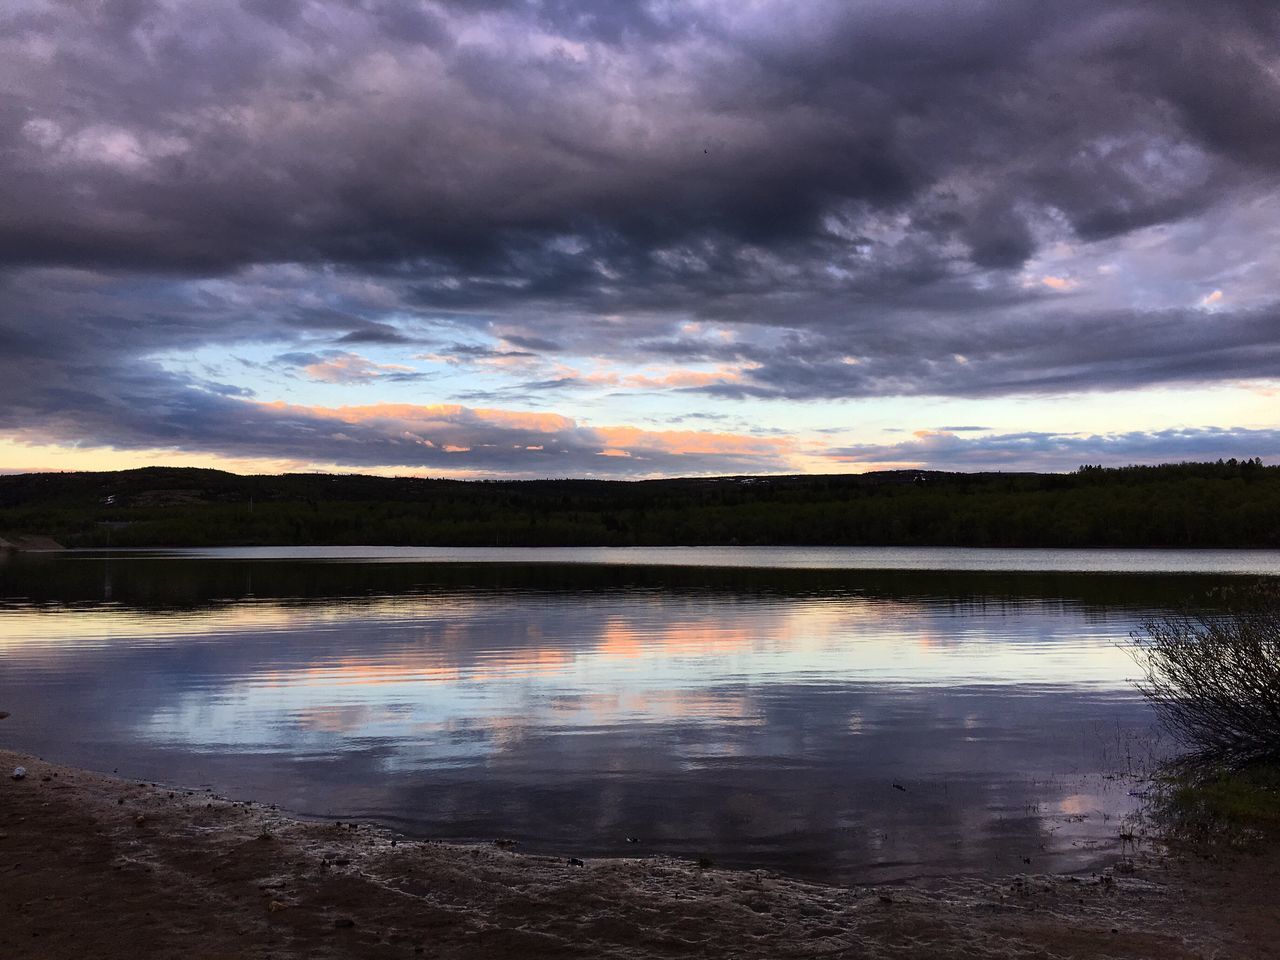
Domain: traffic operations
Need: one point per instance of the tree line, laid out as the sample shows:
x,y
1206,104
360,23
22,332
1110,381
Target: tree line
x,y
1233,503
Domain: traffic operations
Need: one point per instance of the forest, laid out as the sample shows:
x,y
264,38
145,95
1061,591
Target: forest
x,y
1232,503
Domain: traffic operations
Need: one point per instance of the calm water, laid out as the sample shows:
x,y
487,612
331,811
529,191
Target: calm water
x,y
1111,560
763,714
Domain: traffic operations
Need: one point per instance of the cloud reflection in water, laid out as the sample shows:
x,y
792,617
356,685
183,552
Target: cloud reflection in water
x,y
759,729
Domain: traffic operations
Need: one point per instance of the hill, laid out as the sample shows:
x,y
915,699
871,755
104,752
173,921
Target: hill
x,y
1223,504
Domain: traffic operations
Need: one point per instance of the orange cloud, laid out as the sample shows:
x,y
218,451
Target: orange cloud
x,y
694,442
1061,284
684,378
351,368
447,440
457,429
427,414
1212,301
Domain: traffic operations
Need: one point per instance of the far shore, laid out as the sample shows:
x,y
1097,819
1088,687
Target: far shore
x,y
98,866
30,543
1201,505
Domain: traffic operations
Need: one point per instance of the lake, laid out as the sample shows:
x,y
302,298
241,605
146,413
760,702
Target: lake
x,y
851,715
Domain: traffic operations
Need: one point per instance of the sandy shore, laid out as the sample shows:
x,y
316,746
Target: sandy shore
x,y
97,867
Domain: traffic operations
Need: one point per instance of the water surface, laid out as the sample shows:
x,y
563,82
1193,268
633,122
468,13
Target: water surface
x,y
849,723
1021,560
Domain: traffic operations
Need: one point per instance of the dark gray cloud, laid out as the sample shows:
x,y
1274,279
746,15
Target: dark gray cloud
x,y
925,198
374,333
458,353
532,343
1059,353
475,136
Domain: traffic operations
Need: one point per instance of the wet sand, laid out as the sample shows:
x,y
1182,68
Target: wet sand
x,y
93,866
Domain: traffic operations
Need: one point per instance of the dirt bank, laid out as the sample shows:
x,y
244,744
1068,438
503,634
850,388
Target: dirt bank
x,y
93,866
30,543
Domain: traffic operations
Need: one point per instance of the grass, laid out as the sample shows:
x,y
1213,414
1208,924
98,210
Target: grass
x,y
1238,809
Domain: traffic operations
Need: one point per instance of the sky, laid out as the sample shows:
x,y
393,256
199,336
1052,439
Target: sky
x,y
549,238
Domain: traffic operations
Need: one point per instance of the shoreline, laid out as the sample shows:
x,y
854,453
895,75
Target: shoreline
x,y
95,865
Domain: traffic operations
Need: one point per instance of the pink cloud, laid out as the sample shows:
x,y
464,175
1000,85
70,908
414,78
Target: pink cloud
x,y
351,368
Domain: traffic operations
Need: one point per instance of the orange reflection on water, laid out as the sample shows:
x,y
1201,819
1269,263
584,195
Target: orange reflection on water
x,y
361,672
631,706
454,639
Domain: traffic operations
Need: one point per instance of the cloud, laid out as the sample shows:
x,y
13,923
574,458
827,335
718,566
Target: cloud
x,y
1211,301
457,354
1061,284
943,450
374,333
739,202
74,398
1061,353
554,146
337,367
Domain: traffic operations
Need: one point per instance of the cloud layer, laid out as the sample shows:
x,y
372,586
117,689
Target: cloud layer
x,y
945,450
715,201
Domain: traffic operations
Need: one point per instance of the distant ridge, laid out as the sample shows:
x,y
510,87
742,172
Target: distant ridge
x,y
1221,504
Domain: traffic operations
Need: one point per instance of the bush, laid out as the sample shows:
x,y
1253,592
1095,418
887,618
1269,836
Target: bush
x,y
1215,680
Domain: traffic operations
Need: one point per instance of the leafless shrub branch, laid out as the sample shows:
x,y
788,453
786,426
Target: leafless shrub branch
x,y
1215,679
